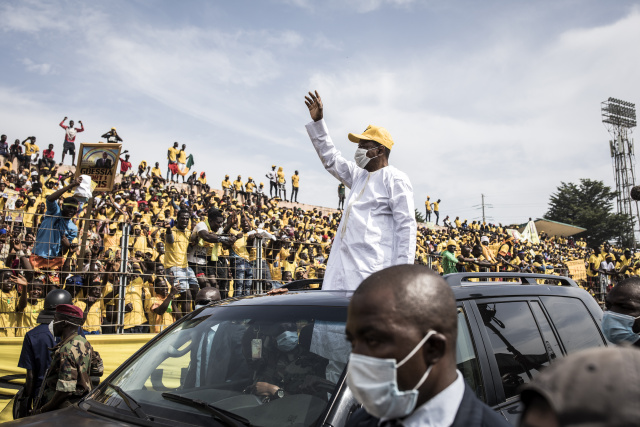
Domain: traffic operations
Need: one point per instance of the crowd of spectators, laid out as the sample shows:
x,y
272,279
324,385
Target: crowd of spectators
x,y
161,241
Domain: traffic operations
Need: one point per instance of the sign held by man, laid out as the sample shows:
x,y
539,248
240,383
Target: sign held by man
x,y
100,162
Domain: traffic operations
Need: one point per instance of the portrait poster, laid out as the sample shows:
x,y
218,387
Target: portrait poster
x,y
100,162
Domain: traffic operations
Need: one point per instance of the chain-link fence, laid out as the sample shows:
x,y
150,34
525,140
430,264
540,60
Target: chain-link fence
x,y
134,276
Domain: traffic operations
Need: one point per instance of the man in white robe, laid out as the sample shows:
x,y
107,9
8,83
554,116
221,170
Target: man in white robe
x,y
378,226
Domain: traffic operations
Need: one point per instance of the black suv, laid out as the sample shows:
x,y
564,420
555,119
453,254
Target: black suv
x,y
218,363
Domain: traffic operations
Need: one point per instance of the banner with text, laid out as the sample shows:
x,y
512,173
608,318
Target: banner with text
x,y
100,162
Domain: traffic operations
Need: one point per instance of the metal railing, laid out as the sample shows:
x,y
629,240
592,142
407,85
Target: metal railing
x,y
125,260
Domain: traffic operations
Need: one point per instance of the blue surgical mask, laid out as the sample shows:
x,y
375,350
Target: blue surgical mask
x,y
618,328
287,341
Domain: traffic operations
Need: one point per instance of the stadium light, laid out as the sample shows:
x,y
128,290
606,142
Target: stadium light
x,y
619,113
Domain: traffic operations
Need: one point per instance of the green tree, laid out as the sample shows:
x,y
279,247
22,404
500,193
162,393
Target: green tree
x,y
419,216
590,205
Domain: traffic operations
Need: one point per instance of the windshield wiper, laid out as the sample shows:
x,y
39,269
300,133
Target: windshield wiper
x,y
128,400
228,418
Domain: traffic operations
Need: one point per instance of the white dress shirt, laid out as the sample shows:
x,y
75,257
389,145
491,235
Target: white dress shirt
x,y
440,410
378,227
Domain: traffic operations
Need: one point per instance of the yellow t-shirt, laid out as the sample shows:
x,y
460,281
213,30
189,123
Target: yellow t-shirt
x,y
159,323
27,319
176,252
427,205
182,156
237,185
436,207
226,183
133,295
240,246
281,177
596,260
8,318
156,172
30,148
94,317
250,186
173,152
295,179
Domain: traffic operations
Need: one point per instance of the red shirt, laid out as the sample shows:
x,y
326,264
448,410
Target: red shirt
x,y
124,166
48,154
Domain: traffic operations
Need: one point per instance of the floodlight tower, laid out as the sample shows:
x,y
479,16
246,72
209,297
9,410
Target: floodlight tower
x,y
619,117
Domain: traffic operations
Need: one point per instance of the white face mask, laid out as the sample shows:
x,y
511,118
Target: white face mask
x,y
287,341
361,158
51,326
374,384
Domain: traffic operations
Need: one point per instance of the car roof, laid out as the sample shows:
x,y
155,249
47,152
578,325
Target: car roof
x,y
461,289
311,298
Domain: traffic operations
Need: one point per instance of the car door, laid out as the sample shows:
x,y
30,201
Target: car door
x,y
517,347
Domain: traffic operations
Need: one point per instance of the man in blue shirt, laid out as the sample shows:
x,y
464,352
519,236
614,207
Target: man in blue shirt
x,y
56,231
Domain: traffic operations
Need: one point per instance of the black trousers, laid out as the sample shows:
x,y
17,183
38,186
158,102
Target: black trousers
x,y
273,186
294,192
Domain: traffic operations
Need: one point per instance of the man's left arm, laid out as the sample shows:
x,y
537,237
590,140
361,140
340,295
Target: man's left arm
x,y
56,195
81,127
67,378
404,220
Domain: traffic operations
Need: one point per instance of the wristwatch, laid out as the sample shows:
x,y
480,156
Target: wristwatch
x,y
280,393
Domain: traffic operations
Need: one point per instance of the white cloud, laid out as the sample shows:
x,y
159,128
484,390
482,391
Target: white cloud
x,y
42,69
360,6
509,120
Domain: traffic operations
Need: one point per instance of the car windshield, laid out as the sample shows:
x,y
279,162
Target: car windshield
x,y
271,365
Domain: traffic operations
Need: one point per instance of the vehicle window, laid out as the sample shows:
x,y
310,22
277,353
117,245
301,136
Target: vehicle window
x,y
466,356
516,342
270,365
574,323
550,341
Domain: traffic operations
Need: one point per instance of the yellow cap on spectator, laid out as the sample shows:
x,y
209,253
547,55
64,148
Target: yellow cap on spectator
x,y
373,133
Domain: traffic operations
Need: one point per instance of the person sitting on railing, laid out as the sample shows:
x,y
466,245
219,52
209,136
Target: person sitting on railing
x,y
56,231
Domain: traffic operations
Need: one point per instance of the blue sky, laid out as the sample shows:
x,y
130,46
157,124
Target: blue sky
x,y
494,97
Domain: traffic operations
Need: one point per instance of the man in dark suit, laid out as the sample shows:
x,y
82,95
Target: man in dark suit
x,y
104,162
402,325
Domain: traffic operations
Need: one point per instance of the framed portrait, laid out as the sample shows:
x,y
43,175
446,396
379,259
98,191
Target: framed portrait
x,y
100,162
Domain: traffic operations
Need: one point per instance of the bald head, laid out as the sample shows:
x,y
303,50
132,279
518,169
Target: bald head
x,y
416,296
390,315
208,294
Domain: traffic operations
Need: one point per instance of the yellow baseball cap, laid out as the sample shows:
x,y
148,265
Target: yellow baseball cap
x,y
373,133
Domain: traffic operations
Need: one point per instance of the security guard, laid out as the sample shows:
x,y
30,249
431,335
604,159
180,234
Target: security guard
x,y
35,356
67,380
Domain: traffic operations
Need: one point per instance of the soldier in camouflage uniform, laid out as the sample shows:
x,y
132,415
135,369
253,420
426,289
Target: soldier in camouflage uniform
x,y
67,379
